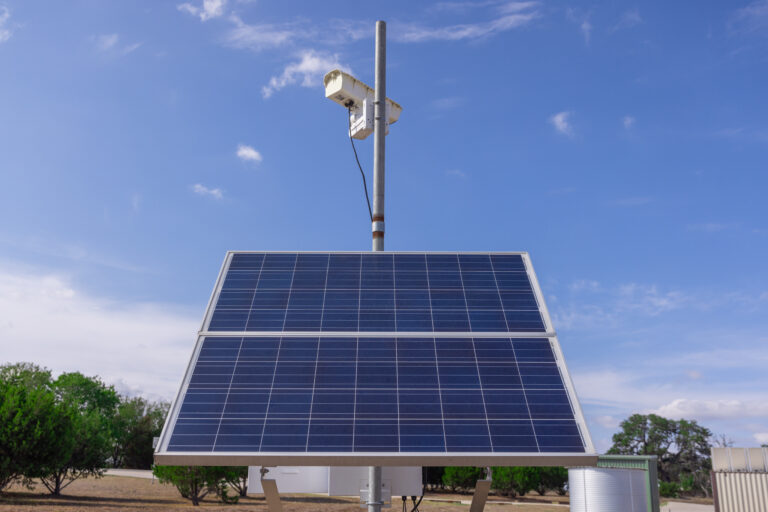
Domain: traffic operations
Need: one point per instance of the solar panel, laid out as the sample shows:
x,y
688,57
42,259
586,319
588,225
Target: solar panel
x,y
350,358
376,292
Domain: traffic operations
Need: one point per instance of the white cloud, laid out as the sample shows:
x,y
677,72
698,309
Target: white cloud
x,y
584,284
607,421
713,409
259,37
711,227
307,71
248,154
582,20
632,201
448,103
109,44
419,34
136,202
106,42
46,320
751,18
586,30
629,19
761,437
5,32
208,10
561,122
648,300
130,48
202,190
628,122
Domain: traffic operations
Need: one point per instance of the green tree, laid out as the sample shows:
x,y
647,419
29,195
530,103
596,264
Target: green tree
x,y
31,431
135,424
459,477
89,407
512,481
195,482
682,448
237,478
553,479
28,375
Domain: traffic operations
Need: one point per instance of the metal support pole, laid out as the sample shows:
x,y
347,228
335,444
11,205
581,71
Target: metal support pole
x,y
379,131
377,226
374,489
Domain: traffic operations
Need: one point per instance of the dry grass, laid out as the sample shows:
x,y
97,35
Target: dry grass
x,y
125,494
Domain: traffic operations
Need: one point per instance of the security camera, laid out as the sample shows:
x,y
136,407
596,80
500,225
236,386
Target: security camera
x,y
352,94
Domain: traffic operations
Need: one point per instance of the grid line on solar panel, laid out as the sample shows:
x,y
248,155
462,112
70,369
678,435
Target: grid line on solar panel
x,y
396,394
380,292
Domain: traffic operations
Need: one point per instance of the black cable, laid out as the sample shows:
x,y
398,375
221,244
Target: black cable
x,y
365,185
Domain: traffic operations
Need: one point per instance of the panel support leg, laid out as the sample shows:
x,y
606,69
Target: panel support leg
x,y
272,495
374,489
481,493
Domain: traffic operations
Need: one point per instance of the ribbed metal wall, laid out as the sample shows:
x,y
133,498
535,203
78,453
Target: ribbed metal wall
x,y
607,490
741,492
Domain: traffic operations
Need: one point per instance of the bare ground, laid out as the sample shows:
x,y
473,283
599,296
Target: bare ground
x,y
124,494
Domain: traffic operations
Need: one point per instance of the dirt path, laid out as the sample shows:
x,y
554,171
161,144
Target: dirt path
x,y
125,494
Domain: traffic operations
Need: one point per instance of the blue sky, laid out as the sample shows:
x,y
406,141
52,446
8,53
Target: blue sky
x,y
624,145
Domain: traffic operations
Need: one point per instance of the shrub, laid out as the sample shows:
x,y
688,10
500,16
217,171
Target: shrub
x,y
464,478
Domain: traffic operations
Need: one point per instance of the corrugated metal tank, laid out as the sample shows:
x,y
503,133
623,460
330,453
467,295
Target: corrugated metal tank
x,y
607,490
741,492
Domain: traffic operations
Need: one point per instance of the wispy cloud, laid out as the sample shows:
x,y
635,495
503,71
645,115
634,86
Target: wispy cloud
x,y
110,44
136,202
248,154
599,306
312,65
260,36
582,20
561,122
209,9
420,34
632,201
628,19
711,227
713,409
106,42
761,437
456,172
5,31
145,345
751,18
448,103
202,190
628,122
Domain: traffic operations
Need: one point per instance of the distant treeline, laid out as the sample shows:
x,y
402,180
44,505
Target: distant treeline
x,y
59,430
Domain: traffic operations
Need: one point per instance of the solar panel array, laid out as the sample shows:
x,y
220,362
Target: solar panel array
x,y
310,370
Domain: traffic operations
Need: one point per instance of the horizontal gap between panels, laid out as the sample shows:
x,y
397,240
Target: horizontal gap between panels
x,y
372,334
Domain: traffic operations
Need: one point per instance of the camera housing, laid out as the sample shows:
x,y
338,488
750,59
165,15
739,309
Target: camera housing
x,y
358,97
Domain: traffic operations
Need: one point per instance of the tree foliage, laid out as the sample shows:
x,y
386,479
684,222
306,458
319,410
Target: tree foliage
x,y
681,446
461,478
136,422
237,478
88,405
196,482
31,430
